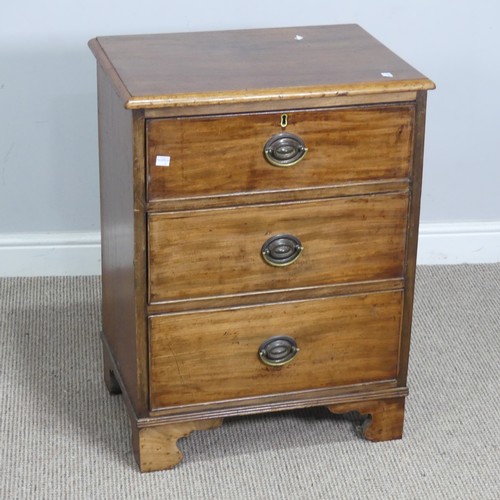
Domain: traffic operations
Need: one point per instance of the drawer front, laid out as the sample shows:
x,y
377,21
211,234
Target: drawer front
x,y
214,355
204,253
223,155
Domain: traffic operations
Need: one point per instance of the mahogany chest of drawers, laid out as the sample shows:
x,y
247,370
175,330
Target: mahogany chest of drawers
x,y
259,211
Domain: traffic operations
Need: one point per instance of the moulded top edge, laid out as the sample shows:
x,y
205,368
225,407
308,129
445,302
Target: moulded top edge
x,y
249,96
243,66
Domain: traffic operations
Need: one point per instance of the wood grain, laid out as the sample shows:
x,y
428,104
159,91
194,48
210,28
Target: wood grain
x,y
140,262
383,186
278,402
224,154
187,298
211,356
269,296
218,252
412,235
116,159
110,380
283,104
155,448
189,69
385,417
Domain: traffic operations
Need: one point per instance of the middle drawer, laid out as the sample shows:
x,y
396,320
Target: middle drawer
x,y
196,254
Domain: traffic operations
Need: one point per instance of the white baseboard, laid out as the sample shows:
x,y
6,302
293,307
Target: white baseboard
x,y
459,243
50,254
77,254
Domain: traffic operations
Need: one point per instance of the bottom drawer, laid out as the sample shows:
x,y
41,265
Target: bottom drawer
x,y
214,355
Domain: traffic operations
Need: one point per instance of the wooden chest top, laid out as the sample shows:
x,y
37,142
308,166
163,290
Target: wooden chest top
x,y
189,69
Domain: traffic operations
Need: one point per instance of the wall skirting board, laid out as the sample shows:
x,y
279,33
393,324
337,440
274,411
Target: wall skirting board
x,y
459,243
78,253
50,254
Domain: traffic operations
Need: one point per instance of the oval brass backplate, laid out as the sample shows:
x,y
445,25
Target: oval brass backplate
x,y
284,150
281,250
278,350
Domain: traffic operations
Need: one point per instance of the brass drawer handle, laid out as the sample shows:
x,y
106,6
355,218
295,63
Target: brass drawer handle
x,y
278,351
281,250
284,150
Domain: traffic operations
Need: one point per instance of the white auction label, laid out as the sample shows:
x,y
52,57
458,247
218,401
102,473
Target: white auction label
x,y
163,161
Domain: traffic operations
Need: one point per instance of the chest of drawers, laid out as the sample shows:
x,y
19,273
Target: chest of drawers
x,y
259,213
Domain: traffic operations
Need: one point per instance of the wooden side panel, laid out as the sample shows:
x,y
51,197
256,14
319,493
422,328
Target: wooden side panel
x,y
213,355
218,252
210,156
412,233
119,306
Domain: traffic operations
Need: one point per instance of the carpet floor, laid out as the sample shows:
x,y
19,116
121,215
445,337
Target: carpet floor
x,y
63,436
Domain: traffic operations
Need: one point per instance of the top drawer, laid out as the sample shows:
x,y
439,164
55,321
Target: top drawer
x,y
218,155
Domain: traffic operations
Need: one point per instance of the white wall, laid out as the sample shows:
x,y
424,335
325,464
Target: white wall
x,y
48,129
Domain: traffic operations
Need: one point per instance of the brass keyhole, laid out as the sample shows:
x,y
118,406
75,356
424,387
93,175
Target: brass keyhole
x,y
284,120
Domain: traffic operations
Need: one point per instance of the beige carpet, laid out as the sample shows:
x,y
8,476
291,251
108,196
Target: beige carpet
x,y
63,437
